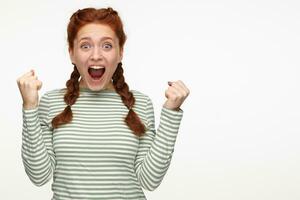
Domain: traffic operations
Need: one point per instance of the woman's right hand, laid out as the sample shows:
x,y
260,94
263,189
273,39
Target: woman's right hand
x,y
29,85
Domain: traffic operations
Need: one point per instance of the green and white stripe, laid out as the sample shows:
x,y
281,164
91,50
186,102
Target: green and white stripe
x,y
96,156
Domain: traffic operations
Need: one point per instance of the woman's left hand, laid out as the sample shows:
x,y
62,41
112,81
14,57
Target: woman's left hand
x,y
176,93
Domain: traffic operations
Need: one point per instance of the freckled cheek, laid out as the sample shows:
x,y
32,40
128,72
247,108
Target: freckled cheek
x,y
80,59
111,70
112,61
81,72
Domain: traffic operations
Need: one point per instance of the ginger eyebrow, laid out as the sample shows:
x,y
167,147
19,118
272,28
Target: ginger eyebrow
x,y
88,38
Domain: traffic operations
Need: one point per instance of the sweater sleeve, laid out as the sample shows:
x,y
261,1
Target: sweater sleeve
x,y
37,151
156,147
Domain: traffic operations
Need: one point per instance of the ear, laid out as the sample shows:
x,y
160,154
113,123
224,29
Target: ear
x,y
71,54
121,54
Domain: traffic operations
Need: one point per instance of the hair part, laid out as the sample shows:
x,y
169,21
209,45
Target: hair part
x,y
106,16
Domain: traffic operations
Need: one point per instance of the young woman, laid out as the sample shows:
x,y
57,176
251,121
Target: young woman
x,y
97,138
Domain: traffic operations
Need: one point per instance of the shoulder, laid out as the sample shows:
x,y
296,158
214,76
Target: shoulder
x,y
53,100
55,92
53,95
143,105
142,101
140,97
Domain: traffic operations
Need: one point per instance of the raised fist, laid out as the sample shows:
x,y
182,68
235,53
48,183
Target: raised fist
x,y
29,86
176,93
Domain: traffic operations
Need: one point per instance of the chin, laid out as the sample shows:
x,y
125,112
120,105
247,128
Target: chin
x,y
96,85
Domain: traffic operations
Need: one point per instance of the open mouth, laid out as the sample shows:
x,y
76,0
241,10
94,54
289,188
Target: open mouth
x,y
96,72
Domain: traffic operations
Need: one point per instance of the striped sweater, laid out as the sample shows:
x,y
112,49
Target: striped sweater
x,y
96,155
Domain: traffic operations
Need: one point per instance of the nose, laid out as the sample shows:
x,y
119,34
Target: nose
x,y
96,54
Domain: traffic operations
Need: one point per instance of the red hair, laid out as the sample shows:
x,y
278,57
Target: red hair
x,y
110,17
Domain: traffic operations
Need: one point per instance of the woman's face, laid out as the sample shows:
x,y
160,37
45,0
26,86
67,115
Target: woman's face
x,y
96,55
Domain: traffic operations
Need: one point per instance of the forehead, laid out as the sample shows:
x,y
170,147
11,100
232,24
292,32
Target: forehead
x,y
96,32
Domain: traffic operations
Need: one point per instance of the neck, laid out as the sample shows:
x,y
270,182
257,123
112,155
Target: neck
x,y
109,86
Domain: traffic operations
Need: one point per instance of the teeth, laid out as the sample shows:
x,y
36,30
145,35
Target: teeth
x,y
96,67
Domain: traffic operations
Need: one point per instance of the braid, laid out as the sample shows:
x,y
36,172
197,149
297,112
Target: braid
x,y
70,97
132,120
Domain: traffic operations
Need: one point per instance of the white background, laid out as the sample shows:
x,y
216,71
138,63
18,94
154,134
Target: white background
x,y
239,137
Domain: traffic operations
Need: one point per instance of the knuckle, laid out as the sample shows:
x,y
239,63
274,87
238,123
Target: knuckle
x,y
21,82
176,97
28,83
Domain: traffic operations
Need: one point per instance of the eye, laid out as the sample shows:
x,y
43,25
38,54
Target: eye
x,y
85,46
107,46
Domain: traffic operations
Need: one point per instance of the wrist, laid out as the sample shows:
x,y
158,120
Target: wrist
x,y
29,106
171,108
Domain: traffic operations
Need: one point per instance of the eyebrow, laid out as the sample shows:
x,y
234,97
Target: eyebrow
x,y
88,38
